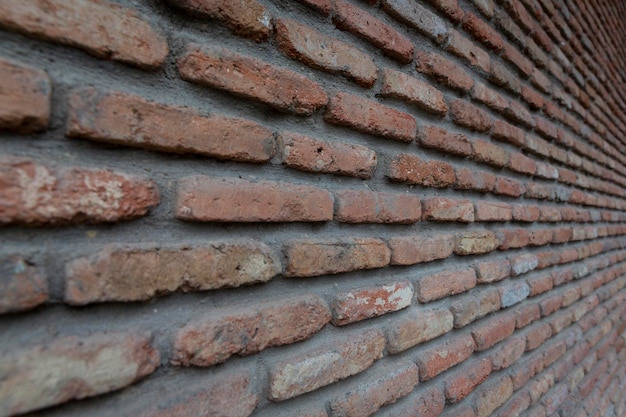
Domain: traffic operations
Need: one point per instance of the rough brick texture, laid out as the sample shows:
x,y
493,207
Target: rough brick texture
x,y
316,208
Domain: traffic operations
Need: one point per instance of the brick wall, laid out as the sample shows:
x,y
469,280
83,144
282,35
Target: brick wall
x,y
313,208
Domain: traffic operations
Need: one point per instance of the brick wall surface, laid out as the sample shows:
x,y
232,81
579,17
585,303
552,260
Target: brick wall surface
x,y
313,208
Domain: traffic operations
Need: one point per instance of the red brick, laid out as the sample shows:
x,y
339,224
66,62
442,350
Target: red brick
x,y
519,61
492,395
368,116
328,54
308,258
309,370
474,305
376,207
538,191
124,119
513,238
439,285
489,153
515,406
474,180
466,115
417,16
211,199
537,334
482,31
312,155
562,235
427,402
551,304
545,128
519,14
443,71
540,237
82,367
518,113
505,132
322,6
360,304
417,326
214,338
251,78
367,398
489,97
450,8
462,381
475,243
234,392
142,271
33,193
502,76
492,211
436,359
25,96
526,314
445,209
493,330
539,80
246,18
491,271
413,170
534,99
522,164
398,85
356,20
410,250
461,410
24,286
509,187
550,214
468,50
126,37
442,140
540,284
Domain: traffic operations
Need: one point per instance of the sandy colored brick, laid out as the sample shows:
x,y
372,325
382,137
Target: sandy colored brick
x,y
142,271
419,17
475,243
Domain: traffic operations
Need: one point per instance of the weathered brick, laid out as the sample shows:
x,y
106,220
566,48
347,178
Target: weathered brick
x,y
308,258
482,31
356,20
246,18
474,305
467,115
428,173
417,16
307,371
462,381
539,80
22,285
540,284
251,78
492,395
24,97
492,211
525,213
328,54
526,314
546,171
505,132
475,243
442,140
521,264
537,334
398,85
34,193
126,36
439,285
489,153
368,116
313,155
417,326
322,6
142,271
376,207
518,113
509,187
540,237
481,181
124,119
367,398
68,368
468,50
410,250
437,359
550,214
502,76
493,330
491,271
523,65
534,99
427,402
519,162
513,238
513,293
489,97
214,338
445,209
515,406
363,303
551,304
443,71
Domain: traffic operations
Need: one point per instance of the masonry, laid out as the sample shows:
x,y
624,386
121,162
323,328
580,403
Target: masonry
x,y
313,208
